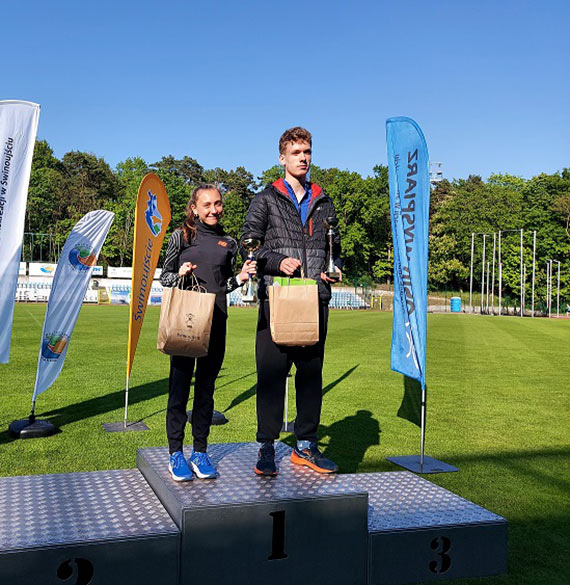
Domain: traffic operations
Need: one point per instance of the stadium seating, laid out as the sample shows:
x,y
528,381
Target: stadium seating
x,y
119,293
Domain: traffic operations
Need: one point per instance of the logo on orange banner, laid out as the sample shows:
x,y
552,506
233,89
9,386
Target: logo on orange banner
x,y
152,214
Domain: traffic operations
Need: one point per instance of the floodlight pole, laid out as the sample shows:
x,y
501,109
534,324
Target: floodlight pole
x,y
493,277
533,269
558,293
558,288
549,288
548,285
500,277
487,296
522,277
471,273
483,274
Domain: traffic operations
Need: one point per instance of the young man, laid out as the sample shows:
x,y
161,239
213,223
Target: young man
x,y
288,217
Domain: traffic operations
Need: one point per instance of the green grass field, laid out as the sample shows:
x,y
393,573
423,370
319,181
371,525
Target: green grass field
x,y
498,408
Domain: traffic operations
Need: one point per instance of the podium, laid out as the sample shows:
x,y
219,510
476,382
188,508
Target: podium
x,y
138,526
421,532
92,528
244,529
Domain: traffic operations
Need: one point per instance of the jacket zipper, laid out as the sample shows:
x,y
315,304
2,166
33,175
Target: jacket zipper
x,y
304,262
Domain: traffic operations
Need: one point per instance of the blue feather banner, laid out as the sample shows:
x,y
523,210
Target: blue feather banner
x,y
408,164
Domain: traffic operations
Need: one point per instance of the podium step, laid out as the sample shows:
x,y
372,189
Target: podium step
x,y
416,531
104,527
241,528
421,532
128,526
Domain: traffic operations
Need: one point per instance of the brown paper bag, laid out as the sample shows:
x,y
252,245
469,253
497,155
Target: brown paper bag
x,y
294,314
185,321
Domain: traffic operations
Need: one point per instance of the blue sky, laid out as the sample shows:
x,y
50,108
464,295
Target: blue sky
x,y
487,81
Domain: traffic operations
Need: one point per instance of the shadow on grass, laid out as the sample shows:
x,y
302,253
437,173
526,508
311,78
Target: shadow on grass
x,y
517,462
233,381
330,386
96,406
247,394
349,439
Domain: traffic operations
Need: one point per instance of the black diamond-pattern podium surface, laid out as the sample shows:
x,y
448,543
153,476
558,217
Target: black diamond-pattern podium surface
x,y
298,527
56,526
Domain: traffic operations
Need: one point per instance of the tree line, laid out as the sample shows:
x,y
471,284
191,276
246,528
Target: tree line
x,y
62,190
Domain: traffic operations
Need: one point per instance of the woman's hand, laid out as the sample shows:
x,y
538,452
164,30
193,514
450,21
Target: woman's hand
x,y
186,269
249,268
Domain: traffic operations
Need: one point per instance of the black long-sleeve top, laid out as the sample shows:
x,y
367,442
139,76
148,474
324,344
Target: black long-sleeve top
x,y
214,255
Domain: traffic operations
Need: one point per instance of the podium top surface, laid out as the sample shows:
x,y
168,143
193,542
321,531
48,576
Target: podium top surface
x,y
68,508
400,500
236,482
397,500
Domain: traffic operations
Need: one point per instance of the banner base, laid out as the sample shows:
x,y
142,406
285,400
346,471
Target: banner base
x,y
121,428
430,465
217,418
24,429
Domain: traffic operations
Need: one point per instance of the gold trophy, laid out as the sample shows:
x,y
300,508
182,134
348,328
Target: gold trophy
x,y
331,272
251,245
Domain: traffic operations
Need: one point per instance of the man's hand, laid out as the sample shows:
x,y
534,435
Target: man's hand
x,y
325,278
289,265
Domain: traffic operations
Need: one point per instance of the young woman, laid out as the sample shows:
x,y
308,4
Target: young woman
x,y
200,248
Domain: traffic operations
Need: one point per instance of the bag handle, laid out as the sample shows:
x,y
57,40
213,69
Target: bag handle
x,y
195,285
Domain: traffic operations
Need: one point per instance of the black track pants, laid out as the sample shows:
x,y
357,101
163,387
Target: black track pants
x,y
273,364
207,370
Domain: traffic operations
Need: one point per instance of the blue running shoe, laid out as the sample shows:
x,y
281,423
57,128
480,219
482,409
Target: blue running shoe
x,y
202,465
178,467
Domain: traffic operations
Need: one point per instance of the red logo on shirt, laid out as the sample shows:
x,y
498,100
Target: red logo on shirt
x,y
222,243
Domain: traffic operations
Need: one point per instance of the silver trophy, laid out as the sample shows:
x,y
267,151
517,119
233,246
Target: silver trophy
x,y
251,245
331,272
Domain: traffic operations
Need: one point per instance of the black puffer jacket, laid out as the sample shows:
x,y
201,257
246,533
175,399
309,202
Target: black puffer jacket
x,y
273,218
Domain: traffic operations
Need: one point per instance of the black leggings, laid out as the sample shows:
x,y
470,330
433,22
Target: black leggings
x,y
207,370
273,364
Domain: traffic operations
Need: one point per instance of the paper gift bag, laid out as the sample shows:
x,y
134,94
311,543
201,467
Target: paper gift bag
x,y
185,321
294,314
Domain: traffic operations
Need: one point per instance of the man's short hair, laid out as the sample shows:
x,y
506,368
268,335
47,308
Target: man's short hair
x,y
296,134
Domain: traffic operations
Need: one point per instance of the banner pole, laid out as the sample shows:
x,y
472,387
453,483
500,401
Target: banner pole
x,y
126,403
286,417
423,429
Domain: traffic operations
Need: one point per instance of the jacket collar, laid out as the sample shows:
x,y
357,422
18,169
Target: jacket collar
x,y
217,229
279,185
